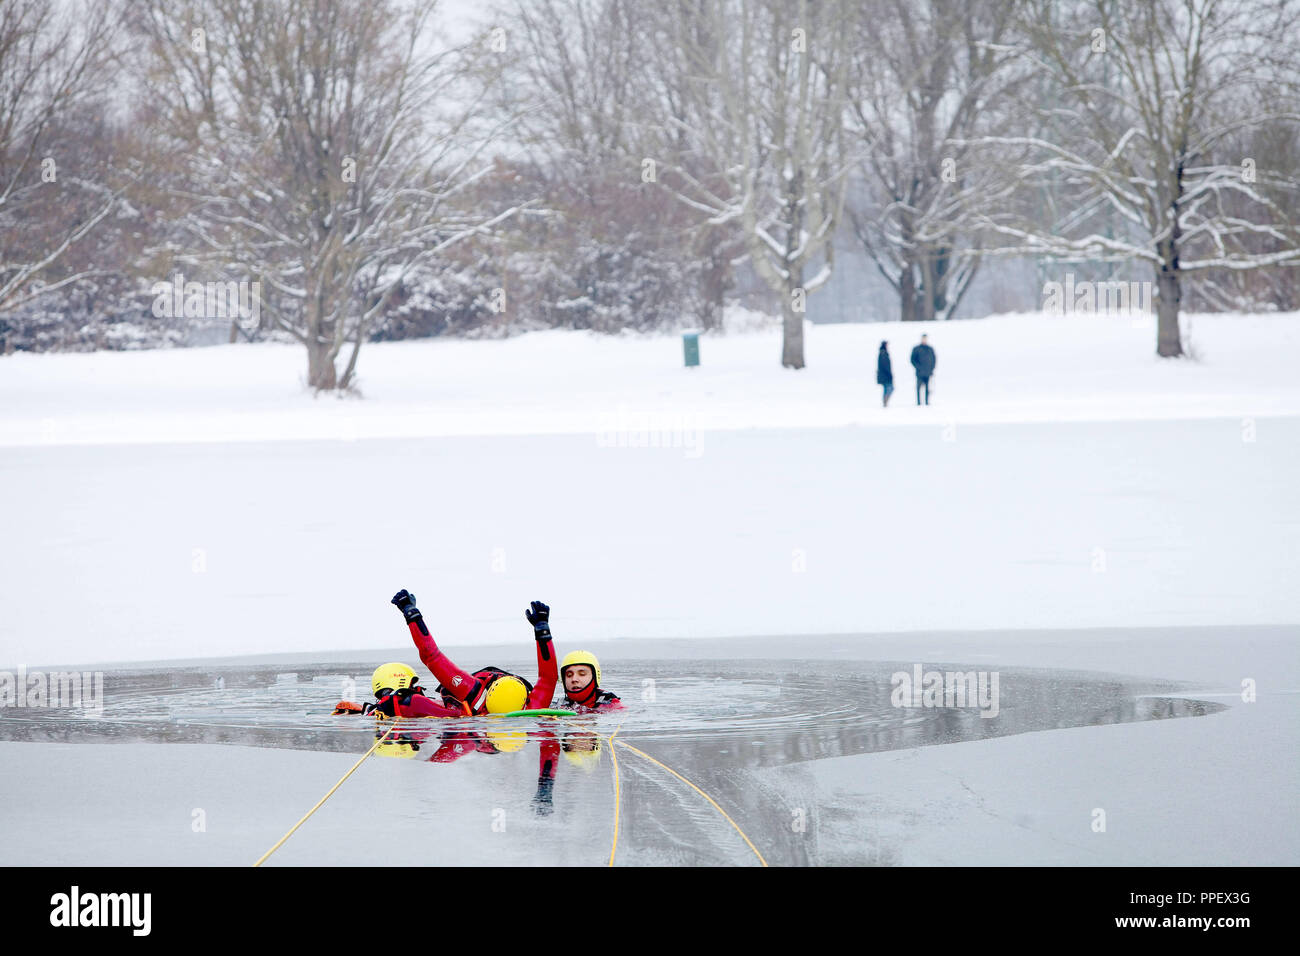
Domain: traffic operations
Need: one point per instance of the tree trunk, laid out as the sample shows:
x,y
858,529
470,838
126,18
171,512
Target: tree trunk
x,y
1169,289
351,370
1169,343
925,294
320,366
321,374
792,341
940,262
715,277
792,344
907,293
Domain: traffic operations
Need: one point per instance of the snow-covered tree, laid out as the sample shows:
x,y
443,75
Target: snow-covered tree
x,y
926,78
322,148
605,248
757,136
53,194
1149,99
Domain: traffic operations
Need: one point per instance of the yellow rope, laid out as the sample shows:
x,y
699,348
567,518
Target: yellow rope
x,y
610,739
697,790
326,797
617,795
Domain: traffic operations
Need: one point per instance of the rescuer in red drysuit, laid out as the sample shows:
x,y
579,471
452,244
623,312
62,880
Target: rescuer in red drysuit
x,y
398,694
580,672
489,690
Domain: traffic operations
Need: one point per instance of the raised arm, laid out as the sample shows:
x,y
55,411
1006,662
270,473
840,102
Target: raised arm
x,y
548,674
455,681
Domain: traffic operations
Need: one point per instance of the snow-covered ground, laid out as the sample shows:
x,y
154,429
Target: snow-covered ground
x,y
259,544
199,503
1027,368
131,552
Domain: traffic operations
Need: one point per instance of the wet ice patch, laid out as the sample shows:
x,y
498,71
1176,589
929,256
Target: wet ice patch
x,y
723,714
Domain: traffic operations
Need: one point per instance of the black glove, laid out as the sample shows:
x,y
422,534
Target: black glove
x,y
539,617
405,602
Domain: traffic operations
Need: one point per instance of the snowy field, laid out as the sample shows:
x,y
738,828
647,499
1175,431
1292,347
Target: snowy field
x,y
199,504
1163,495
1005,369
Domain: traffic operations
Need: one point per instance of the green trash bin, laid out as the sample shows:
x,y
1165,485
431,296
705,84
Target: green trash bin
x,y
691,346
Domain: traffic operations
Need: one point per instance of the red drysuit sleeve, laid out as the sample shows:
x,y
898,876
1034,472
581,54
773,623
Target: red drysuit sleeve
x,y
547,676
455,681
421,706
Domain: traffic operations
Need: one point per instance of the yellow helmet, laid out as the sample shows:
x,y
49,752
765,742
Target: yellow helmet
x,y
582,749
581,657
392,676
506,741
505,694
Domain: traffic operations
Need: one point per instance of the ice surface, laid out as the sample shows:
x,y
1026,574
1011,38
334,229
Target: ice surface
x,y
171,551
808,757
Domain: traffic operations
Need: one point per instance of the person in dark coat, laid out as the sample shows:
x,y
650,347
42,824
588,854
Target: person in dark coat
x,y
885,372
923,360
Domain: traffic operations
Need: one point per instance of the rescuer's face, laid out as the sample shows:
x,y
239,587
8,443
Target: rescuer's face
x,y
577,677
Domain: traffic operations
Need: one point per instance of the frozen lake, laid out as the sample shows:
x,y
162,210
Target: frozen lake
x,y
808,756
739,713
297,546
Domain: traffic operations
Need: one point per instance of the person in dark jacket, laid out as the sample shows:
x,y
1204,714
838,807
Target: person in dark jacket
x,y
885,372
923,360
